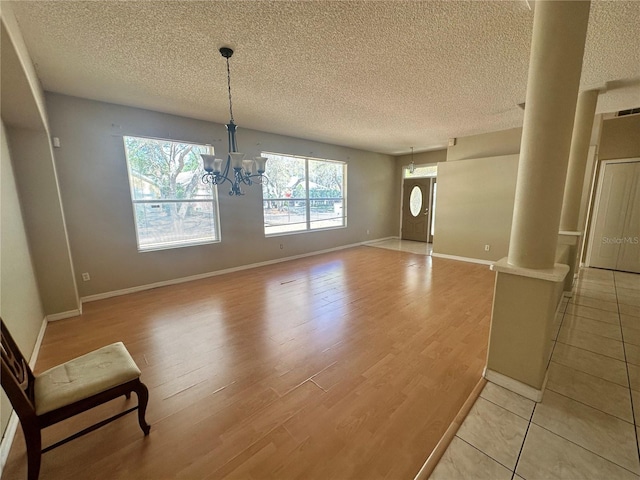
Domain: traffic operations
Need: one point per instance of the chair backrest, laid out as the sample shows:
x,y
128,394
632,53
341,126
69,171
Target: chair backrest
x,y
17,378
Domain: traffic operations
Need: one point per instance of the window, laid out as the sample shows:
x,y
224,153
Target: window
x,y
303,194
421,171
171,205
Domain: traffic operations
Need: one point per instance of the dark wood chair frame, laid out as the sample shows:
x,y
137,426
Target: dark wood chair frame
x,y
18,382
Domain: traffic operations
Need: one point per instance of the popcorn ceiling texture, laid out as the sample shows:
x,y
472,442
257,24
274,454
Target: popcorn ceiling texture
x,y
375,75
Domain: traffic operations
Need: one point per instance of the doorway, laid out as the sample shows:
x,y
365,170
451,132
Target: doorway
x,y
615,240
418,208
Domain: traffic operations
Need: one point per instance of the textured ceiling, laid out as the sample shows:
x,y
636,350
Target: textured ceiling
x,y
376,75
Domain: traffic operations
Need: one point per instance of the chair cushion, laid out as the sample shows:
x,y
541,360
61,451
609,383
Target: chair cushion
x,y
84,377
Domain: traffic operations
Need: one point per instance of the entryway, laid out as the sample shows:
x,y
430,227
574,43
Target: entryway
x,y
418,209
419,248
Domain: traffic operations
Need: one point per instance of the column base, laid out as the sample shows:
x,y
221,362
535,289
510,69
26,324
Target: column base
x,y
520,341
515,386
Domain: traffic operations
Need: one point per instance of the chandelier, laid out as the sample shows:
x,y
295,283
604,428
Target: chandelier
x,y
412,165
237,170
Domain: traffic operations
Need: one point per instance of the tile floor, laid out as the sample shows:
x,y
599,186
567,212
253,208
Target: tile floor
x,y
420,248
587,425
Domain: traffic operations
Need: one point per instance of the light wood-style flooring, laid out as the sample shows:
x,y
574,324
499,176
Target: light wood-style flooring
x,y
344,365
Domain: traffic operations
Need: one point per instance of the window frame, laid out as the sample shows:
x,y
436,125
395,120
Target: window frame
x,y
215,204
307,198
406,174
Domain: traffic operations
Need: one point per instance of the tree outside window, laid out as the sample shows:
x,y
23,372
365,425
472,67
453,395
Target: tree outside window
x,y
172,207
303,194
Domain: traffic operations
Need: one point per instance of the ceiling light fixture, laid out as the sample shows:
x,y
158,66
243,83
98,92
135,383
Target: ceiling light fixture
x,y
412,165
242,168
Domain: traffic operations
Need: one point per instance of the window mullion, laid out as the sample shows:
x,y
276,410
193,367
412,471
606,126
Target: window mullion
x,y
306,184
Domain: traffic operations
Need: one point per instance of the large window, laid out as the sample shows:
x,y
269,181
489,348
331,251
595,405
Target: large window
x,y
303,194
171,205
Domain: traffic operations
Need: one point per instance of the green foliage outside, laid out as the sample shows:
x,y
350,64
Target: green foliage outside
x,y
287,178
161,163
164,170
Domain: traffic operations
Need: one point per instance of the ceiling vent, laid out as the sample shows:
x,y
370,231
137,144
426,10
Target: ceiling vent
x,y
630,111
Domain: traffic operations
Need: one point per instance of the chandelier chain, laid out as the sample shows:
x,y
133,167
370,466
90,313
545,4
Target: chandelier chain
x,y
229,87
237,170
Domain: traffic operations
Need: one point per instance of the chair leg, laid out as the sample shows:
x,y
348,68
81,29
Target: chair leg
x,y
143,398
34,452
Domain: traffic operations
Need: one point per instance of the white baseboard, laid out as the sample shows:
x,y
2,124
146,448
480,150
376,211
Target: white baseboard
x,y
62,315
516,386
7,439
36,347
463,259
174,281
12,426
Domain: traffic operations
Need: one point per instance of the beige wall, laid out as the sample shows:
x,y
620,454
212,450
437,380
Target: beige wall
x,y
521,324
20,305
34,252
95,194
493,144
44,219
620,138
422,158
475,207
24,78
25,119
475,196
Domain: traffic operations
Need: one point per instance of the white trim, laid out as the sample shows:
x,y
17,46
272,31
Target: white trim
x,y
62,315
12,426
596,203
463,259
36,347
590,202
516,386
175,281
622,160
7,439
572,234
555,274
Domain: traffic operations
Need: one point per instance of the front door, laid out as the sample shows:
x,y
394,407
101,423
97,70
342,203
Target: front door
x,y
416,209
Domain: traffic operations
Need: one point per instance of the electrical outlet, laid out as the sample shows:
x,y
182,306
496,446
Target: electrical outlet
x,y
86,277
282,246
487,248
368,231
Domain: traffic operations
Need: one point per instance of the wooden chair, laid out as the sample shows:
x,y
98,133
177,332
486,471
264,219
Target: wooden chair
x,y
67,390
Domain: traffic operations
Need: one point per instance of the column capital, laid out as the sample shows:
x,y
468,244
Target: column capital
x,y
555,274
